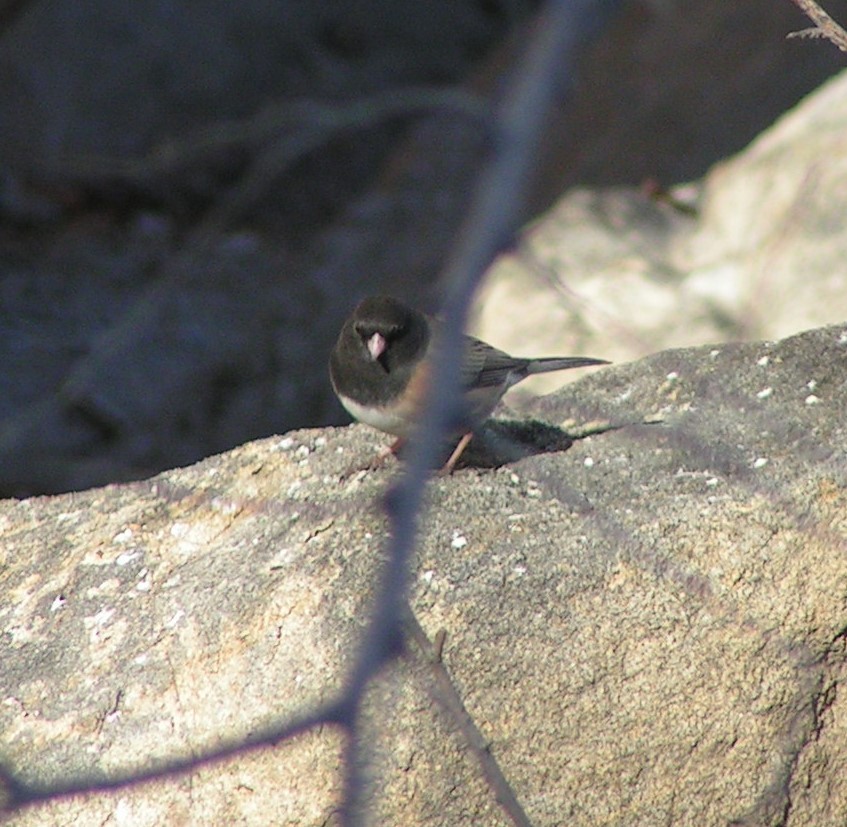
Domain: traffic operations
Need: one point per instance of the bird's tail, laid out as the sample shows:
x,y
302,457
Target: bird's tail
x,y
563,363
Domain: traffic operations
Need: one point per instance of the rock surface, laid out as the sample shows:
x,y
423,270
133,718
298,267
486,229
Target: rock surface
x,y
622,273
647,628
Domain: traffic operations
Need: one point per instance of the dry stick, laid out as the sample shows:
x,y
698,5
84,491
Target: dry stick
x,y
493,217
825,26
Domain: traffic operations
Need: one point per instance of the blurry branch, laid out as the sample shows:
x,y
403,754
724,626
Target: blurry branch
x,y
493,220
305,121
291,128
275,139
824,26
315,124
497,207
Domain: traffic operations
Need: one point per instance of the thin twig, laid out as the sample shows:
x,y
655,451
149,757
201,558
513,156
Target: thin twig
x,y
825,26
304,124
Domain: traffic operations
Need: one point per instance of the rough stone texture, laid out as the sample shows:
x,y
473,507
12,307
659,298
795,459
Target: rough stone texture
x,y
621,274
647,628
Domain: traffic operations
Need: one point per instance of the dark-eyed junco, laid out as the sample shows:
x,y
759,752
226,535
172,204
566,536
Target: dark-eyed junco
x,y
380,370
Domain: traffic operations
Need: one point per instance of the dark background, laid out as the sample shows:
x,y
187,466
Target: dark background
x,y
190,204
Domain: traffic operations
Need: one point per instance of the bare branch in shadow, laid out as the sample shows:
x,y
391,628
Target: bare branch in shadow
x,y
286,131
824,26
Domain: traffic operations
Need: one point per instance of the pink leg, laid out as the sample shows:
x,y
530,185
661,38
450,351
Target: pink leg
x,y
457,452
378,461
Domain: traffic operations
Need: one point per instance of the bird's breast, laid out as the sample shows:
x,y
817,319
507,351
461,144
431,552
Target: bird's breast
x,y
388,419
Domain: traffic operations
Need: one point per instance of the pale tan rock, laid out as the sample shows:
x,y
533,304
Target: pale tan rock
x,y
614,273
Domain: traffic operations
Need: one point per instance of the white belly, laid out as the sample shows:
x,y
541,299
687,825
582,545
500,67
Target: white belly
x,y
383,419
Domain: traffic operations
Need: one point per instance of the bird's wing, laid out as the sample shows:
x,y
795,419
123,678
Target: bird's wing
x,y
484,366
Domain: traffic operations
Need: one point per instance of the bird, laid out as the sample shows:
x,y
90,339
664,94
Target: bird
x,y
380,369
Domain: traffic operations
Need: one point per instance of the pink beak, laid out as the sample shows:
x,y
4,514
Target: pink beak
x,y
376,346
